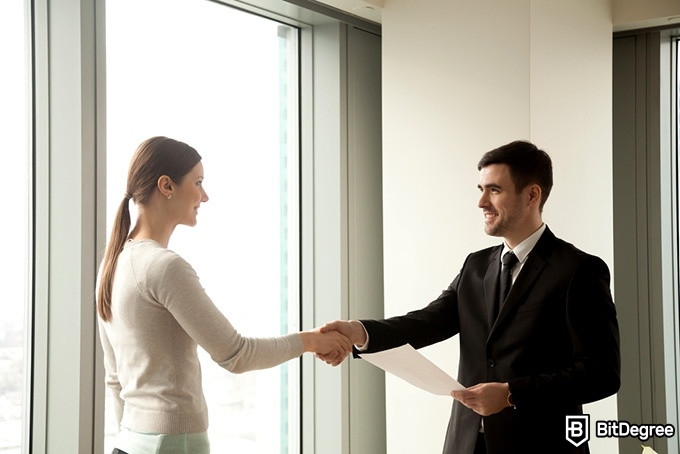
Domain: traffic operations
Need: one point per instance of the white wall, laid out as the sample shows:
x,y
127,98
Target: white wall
x,y
459,78
571,86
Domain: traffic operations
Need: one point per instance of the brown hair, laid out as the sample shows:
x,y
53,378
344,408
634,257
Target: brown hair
x,y
528,165
154,158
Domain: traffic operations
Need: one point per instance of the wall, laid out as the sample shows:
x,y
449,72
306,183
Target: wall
x,y
460,78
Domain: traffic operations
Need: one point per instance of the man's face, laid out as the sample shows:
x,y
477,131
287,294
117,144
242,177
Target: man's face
x,y
505,211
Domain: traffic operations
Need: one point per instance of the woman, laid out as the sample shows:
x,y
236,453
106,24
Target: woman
x,y
153,312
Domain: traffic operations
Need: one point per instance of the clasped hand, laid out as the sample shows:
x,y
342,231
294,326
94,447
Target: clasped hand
x,y
351,330
329,344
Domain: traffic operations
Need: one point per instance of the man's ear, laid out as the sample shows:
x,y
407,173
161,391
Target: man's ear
x,y
534,195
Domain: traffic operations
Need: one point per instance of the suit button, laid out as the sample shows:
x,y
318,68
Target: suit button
x,y
491,362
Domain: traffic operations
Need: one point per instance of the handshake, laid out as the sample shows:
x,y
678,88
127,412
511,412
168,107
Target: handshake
x,y
333,341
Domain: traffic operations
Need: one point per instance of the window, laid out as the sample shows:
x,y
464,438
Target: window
x,y
672,328
225,82
15,229
645,176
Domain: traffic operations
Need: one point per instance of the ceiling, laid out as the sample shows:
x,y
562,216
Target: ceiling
x,y
366,9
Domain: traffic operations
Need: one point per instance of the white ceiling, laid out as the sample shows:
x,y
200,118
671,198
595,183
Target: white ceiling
x,y
366,9
372,11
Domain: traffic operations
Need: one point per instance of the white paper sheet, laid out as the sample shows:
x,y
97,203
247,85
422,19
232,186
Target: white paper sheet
x,y
408,364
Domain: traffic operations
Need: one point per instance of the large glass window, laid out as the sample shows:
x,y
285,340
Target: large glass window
x,y
15,228
225,82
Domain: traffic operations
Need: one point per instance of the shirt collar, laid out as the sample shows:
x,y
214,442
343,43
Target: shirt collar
x,y
523,249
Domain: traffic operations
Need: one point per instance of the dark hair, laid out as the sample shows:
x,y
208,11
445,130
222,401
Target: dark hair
x,y
528,165
154,158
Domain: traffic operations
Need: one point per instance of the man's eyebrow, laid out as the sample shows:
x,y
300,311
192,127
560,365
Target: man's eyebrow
x,y
489,186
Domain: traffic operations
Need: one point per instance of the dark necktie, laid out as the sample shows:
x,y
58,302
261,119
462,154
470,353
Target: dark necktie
x,y
509,261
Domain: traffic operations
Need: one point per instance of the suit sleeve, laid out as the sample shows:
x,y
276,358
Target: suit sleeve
x,y
592,372
434,323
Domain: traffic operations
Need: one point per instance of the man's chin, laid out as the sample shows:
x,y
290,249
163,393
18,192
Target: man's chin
x,y
492,230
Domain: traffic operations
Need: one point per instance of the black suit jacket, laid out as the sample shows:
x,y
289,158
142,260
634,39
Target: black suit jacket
x,y
555,341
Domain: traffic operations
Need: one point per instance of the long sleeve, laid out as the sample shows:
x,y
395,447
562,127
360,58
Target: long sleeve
x,y
434,323
160,315
180,291
112,381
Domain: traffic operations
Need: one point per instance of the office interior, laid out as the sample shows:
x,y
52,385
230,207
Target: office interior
x,y
398,99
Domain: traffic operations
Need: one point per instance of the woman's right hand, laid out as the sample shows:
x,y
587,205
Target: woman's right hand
x,y
331,345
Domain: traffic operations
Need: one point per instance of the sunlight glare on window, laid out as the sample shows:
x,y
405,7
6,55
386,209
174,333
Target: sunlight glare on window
x,y
223,81
14,228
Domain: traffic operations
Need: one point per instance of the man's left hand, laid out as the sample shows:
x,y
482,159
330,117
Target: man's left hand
x,y
484,398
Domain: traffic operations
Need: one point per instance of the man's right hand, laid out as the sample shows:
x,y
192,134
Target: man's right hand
x,y
352,329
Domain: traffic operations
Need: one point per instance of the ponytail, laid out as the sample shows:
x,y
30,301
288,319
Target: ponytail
x,y
119,234
154,157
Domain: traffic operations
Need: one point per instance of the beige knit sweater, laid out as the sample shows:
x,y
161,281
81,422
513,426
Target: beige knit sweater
x,y
160,313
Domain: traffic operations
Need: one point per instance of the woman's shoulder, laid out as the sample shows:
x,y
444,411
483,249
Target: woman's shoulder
x,y
159,274
153,259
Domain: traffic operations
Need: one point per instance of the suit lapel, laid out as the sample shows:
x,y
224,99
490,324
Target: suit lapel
x,y
527,276
491,279
532,269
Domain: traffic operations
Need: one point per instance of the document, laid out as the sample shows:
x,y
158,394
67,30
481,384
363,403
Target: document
x,y
408,364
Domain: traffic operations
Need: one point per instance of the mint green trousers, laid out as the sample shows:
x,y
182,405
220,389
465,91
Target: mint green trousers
x,y
133,442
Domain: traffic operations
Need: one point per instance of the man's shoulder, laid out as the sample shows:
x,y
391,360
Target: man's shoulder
x,y
566,247
559,251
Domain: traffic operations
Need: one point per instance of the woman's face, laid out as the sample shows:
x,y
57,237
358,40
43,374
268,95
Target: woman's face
x,y
188,196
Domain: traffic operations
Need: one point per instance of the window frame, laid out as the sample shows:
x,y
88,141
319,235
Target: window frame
x,y
646,229
63,140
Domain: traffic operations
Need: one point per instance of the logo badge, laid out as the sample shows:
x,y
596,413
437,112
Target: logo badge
x,y
577,429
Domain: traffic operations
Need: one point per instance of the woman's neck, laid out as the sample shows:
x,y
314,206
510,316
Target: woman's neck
x,y
152,227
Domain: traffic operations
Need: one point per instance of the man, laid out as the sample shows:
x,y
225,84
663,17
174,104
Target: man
x,y
532,357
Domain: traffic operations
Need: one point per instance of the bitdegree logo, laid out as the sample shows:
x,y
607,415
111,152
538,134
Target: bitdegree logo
x,y
622,429
577,430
